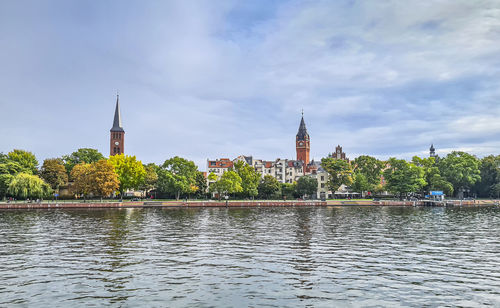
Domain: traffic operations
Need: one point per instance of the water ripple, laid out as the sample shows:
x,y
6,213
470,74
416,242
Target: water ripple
x,y
269,257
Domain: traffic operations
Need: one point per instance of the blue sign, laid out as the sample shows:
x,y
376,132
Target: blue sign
x,y
56,195
436,193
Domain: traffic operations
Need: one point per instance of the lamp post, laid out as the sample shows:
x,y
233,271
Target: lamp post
x,y
226,197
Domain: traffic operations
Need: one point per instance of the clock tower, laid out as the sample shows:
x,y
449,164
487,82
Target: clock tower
x,y
302,143
117,134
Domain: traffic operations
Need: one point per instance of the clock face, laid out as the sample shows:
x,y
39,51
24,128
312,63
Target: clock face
x,y
117,143
301,143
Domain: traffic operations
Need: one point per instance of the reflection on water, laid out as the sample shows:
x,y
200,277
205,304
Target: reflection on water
x,y
334,256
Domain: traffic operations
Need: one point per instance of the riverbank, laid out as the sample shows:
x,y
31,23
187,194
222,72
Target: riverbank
x,y
232,204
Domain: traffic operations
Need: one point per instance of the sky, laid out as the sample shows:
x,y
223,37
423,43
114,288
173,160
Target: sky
x,y
219,79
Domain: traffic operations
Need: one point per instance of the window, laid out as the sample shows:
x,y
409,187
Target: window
x,y
322,178
322,185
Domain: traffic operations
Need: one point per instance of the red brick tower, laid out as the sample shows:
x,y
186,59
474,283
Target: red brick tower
x,y
302,143
117,134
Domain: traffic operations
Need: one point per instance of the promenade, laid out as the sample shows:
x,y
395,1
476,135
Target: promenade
x,y
236,204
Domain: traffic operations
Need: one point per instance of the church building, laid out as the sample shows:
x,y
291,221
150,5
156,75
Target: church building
x,y
117,134
303,144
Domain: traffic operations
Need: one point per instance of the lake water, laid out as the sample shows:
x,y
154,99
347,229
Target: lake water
x,y
268,257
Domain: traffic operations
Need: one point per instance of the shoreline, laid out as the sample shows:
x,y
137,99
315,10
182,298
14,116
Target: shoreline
x,y
240,204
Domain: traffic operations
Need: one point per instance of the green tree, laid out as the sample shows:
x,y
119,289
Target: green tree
x,y
432,176
3,158
103,178
307,185
360,183
54,173
84,155
461,170
150,179
339,172
177,176
130,171
403,177
25,185
8,169
269,187
249,177
213,185
229,183
201,184
289,190
25,159
367,172
490,177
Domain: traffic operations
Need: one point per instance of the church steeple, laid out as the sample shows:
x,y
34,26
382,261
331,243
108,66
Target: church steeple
x,y
117,122
302,143
117,133
302,133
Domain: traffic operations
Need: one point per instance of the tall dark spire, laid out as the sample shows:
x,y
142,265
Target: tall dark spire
x,y
302,133
117,122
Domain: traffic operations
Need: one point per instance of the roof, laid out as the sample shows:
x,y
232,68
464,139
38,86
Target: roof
x,y
117,121
220,163
302,133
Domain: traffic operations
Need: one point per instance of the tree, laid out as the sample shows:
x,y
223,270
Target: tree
x,y
54,173
24,185
150,179
403,177
213,187
339,171
8,169
461,170
307,185
177,176
229,183
201,184
130,171
3,158
432,176
367,171
81,175
103,178
360,183
84,155
268,187
289,190
490,177
25,159
249,177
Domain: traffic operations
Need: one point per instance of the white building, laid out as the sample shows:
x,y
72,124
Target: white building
x,y
284,170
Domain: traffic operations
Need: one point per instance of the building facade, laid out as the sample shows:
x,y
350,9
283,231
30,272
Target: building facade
x,y
339,154
117,133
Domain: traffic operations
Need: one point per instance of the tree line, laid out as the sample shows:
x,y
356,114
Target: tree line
x,y
457,174
93,175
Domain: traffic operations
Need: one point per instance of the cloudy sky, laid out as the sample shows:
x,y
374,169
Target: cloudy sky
x,y
209,79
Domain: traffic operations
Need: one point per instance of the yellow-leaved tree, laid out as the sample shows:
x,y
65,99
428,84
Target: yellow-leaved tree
x,y
82,180
130,171
104,178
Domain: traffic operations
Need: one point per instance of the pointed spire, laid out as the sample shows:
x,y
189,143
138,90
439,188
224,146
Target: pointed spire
x,y
302,133
117,122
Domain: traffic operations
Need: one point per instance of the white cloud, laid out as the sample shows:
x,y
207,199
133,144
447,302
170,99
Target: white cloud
x,y
381,78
